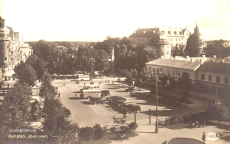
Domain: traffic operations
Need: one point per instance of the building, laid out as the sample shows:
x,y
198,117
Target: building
x,y
12,51
175,36
213,77
210,75
176,66
195,44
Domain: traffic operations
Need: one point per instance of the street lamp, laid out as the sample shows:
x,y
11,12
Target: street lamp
x,y
156,72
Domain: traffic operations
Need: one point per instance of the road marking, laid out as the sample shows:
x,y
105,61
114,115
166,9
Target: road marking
x,y
94,109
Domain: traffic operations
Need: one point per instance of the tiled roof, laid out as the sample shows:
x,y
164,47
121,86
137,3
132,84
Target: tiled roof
x,y
182,64
148,32
215,67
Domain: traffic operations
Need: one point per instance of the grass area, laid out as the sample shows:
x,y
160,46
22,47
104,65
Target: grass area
x,y
108,138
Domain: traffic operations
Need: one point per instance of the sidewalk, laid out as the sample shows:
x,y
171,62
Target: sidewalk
x,y
146,134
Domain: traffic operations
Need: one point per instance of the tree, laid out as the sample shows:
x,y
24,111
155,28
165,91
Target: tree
x,y
38,65
56,123
47,89
86,133
15,110
218,110
185,84
26,74
99,132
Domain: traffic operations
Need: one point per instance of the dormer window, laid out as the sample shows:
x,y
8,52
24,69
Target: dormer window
x,y
169,32
175,32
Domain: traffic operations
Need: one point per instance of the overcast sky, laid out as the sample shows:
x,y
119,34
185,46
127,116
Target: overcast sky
x,y
94,20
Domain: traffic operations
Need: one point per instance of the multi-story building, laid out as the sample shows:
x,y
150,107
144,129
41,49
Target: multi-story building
x,y
175,36
12,51
210,75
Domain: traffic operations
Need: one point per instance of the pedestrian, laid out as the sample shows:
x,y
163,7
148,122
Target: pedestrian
x,y
197,124
204,136
59,95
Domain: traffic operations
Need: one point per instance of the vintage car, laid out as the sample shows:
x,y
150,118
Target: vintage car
x,y
130,89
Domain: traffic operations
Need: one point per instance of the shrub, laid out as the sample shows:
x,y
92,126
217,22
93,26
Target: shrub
x,y
99,132
86,133
113,129
175,120
132,126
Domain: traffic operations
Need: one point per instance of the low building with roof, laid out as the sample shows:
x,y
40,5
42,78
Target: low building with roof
x,y
213,77
210,75
176,66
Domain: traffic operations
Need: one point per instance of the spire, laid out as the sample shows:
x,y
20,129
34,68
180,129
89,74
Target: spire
x,y
196,30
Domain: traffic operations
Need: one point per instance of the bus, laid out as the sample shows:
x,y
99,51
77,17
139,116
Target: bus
x,y
90,93
82,77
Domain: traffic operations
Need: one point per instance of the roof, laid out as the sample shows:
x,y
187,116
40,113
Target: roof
x,y
215,67
149,32
182,64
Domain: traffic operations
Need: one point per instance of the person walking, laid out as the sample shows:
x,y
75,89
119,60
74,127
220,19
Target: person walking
x,y
204,137
59,94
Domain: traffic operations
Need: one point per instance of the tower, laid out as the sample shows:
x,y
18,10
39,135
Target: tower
x,y
195,43
161,42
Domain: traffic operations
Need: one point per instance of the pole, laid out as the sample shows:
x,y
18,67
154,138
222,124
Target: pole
x,y
156,130
135,120
149,116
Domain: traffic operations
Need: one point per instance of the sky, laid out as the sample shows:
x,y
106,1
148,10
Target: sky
x,y
94,20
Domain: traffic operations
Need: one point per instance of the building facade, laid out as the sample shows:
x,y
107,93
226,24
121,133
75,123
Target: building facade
x,y
12,51
210,75
175,36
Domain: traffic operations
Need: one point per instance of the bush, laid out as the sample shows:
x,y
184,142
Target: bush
x,y
175,120
99,132
86,133
132,126
113,129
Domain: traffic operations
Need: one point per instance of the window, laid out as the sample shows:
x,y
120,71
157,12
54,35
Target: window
x,y
226,80
178,74
217,79
202,76
5,58
150,68
209,78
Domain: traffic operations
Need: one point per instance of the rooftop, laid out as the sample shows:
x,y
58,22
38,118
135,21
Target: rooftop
x,y
182,64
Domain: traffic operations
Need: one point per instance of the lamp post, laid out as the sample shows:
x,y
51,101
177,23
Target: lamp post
x,y
156,72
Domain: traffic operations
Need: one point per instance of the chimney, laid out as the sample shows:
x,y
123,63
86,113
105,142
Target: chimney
x,y
214,56
187,57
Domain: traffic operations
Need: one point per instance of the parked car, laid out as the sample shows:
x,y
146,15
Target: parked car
x,y
131,108
105,92
130,89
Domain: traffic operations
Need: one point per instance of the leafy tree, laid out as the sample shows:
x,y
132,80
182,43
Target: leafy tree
x,y
25,73
86,133
218,110
56,123
185,84
47,89
99,132
15,110
37,64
